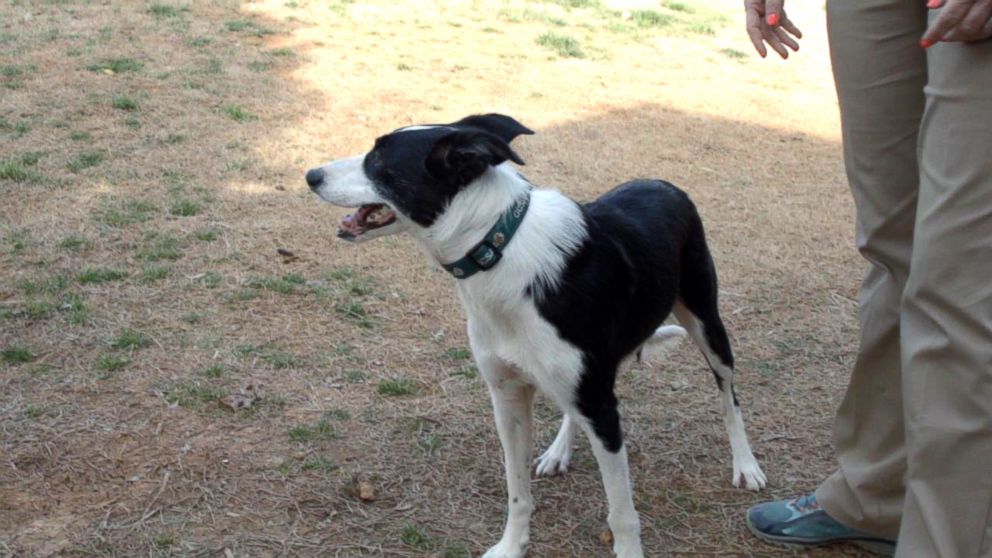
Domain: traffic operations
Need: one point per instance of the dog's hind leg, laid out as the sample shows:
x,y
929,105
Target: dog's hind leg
x,y
513,401
696,309
555,459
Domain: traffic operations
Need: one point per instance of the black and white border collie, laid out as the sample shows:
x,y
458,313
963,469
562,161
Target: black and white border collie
x,y
579,289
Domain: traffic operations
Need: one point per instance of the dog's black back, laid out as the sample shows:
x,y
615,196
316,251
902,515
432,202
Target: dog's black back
x,y
645,250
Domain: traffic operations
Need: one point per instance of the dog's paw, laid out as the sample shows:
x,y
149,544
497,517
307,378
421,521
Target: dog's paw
x,y
554,460
750,471
505,550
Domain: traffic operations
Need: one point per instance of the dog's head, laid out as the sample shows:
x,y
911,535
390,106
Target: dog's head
x,y
412,174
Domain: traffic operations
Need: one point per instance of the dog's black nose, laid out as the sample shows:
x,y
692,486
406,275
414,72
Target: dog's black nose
x,y
314,178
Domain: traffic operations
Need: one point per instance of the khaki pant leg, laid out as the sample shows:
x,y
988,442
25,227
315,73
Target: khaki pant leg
x,y
880,72
947,315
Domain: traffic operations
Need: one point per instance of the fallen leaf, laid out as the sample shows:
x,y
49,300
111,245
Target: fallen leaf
x,y
606,537
366,492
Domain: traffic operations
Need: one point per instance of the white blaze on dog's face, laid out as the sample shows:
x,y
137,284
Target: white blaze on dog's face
x,y
412,174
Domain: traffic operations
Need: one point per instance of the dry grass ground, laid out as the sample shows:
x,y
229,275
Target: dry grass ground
x,y
151,162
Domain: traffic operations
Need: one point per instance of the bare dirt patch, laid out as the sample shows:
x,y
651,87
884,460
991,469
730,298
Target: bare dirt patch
x,y
151,162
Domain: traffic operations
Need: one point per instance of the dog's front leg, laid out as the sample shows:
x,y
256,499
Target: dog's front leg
x,y
513,400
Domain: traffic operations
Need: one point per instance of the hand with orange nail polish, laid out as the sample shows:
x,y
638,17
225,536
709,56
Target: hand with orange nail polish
x,y
767,23
959,21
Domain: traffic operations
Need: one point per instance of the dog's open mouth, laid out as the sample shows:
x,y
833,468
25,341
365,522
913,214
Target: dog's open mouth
x,y
368,217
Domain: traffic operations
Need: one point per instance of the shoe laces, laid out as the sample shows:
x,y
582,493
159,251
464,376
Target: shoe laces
x,y
806,503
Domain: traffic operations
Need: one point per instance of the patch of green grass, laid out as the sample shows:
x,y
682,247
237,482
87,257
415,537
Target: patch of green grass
x,y
215,371
285,52
678,7
17,129
337,414
259,66
355,376
205,235
245,26
318,463
163,541
565,46
75,243
109,362
75,306
280,360
397,387
37,309
51,285
15,171
192,394
33,411
467,371
132,122
123,102
152,273
131,339
733,53
191,318
11,71
353,310
100,275
167,11
458,353
238,113
18,241
702,28
430,443
31,158
403,67
286,284
184,207
17,355
198,42
117,65
41,369
85,160
417,538
318,431
80,135
166,247
211,279
651,18
123,212
173,139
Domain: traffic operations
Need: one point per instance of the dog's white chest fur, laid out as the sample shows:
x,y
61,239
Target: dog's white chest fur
x,y
521,337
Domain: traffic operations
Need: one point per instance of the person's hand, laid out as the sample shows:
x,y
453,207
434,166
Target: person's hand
x,y
767,23
960,21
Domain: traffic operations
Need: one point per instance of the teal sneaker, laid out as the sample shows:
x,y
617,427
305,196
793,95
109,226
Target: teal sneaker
x,y
802,523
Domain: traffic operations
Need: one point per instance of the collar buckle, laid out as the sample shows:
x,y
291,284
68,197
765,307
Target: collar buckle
x,y
485,255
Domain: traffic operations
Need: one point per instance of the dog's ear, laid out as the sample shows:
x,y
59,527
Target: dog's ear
x,y
462,156
499,125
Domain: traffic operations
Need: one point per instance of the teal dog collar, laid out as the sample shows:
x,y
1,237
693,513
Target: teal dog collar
x,y
488,252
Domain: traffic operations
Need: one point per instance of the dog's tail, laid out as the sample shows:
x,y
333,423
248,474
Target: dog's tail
x,y
663,340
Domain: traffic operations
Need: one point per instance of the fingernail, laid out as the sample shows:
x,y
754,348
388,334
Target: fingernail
x,y
926,43
773,18
933,4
